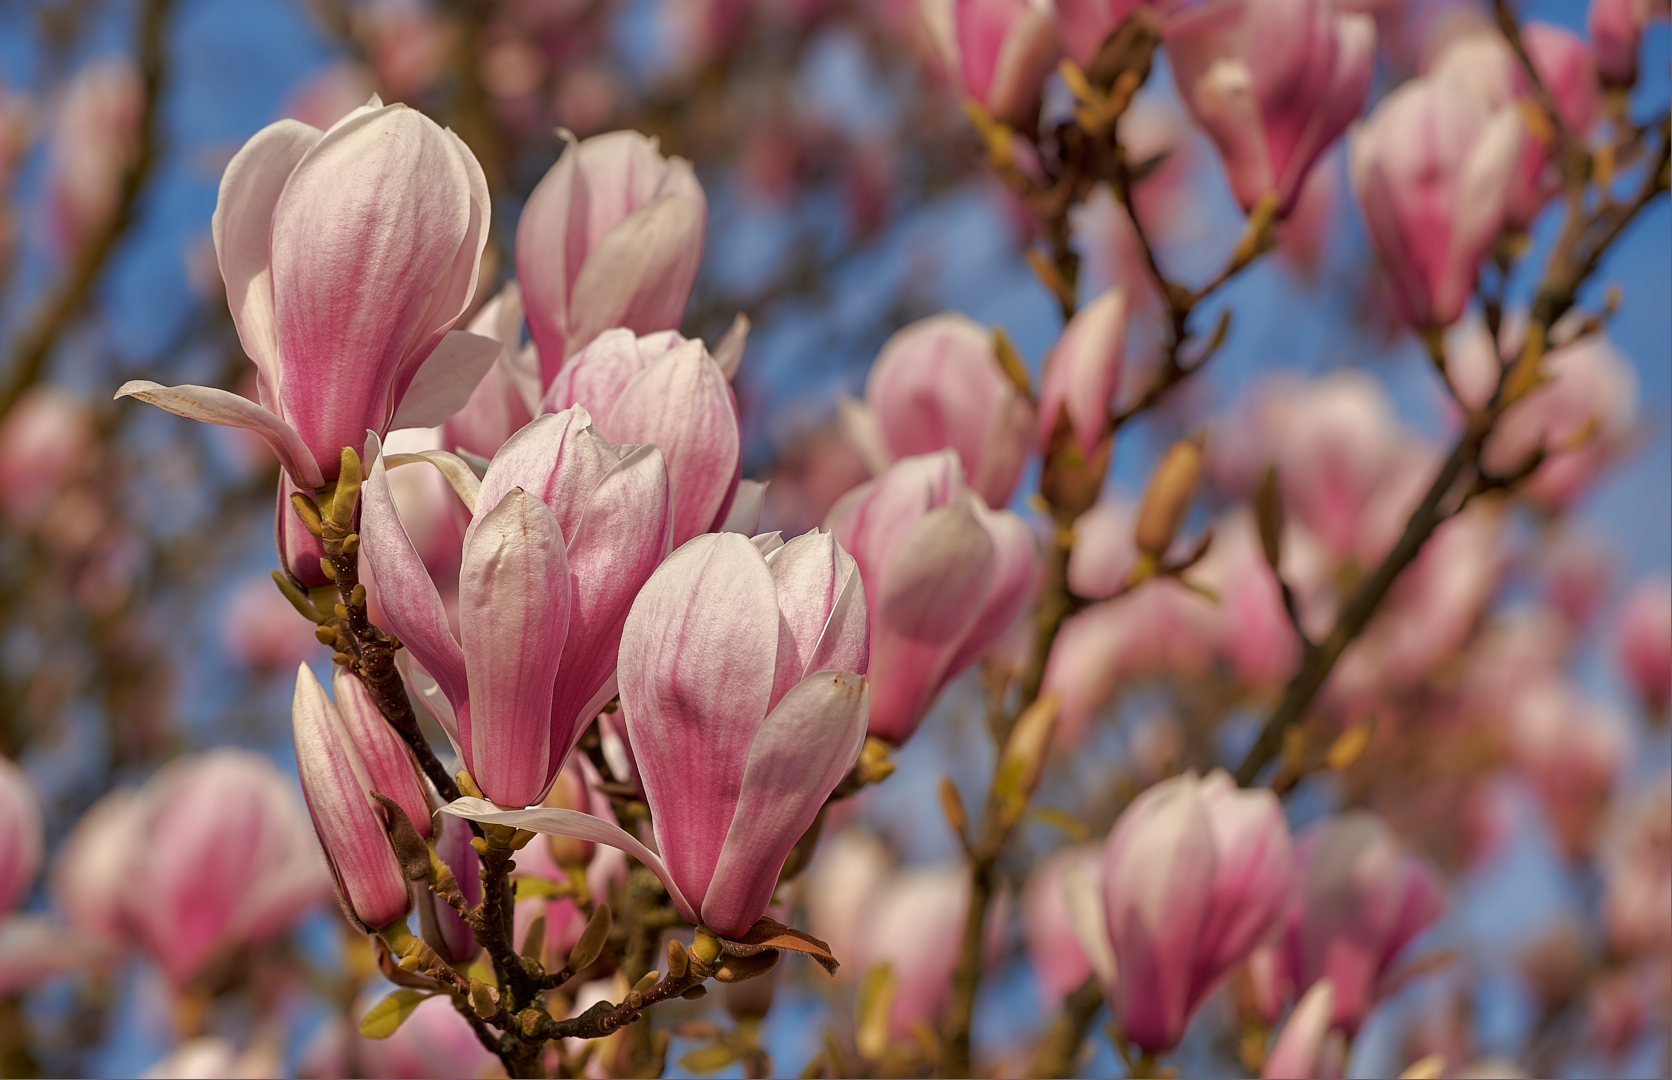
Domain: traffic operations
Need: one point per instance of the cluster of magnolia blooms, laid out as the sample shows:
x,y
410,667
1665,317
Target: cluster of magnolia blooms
x,y
558,533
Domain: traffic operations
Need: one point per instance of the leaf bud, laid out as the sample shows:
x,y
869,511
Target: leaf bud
x,y
1167,499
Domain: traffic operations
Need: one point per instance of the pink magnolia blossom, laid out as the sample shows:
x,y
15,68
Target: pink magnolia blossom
x,y
450,935
565,528
1273,83
1059,960
89,880
1645,642
220,854
1006,48
435,1041
1362,900
348,255
1086,24
509,394
1571,749
1104,550
262,630
937,385
1434,168
1616,28
34,948
1577,569
1300,1047
612,236
1082,371
1637,872
22,835
46,443
94,140
1484,62
669,392
1583,417
338,784
1254,634
1196,874
947,578
750,664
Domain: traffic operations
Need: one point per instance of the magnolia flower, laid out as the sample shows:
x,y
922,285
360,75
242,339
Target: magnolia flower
x,y
1058,958
1616,28
612,236
938,385
1086,24
1571,749
1434,168
1273,83
1006,48
565,527
1301,1048
667,391
947,578
220,853
509,394
1636,863
1361,901
47,442
1196,874
94,140
21,835
1484,62
1082,371
1645,642
744,704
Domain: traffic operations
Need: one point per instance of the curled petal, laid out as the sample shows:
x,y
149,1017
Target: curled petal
x,y
230,410
444,382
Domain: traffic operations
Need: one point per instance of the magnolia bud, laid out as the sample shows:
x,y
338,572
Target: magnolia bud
x,y
568,792
591,942
1167,499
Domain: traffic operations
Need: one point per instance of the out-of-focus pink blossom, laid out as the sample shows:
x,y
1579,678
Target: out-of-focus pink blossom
x,y
1254,633
210,1056
1082,371
222,854
262,630
1006,48
813,471
565,528
1362,900
90,887
937,385
22,835
1161,627
610,237
1483,61
872,913
1577,568
669,392
1104,552
46,441
1582,417
1637,872
93,142
947,577
750,663
1196,874
1059,960
33,949
1624,1001
1645,643
435,1041
1616,28
1273,83
348,255
1086,24
1299,1050
407,42
1434,168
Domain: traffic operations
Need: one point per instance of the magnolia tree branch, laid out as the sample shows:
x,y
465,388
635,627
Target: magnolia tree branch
x,y
34,345
1584,240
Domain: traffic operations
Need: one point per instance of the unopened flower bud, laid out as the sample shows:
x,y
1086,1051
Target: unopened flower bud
x,y
1168,498
591,943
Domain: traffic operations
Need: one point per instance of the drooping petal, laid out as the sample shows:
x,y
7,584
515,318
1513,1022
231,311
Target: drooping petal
x,y
801,752
243,221
557,822
513,621
404,590
695,673
683,405
444,382
230,410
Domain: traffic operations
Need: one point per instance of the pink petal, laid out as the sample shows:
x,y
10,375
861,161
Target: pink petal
x,y
622,536
821,604
250,189
683,405
444,382
696,671
389,765
728,351
1296,1051
640,273
1015,577
230,410
405,592
596,375
572,823
744,514
513,588
551,246
801,752
1083,370
560,458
